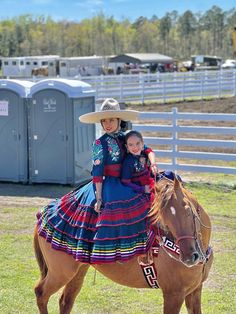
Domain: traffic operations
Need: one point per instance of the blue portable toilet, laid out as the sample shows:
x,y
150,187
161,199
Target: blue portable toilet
x,y
13,130
59,144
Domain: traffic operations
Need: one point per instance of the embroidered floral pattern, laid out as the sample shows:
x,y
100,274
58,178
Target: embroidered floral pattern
x,y
97,153
139,164
113,149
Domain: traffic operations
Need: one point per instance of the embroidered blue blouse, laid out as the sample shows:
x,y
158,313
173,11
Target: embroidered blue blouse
x,y
108,154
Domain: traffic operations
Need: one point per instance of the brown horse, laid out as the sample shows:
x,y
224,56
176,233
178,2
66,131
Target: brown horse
x,y
176,214
43,71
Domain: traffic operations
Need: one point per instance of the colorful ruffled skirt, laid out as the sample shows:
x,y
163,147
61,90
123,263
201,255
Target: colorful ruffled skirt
x,y
118,233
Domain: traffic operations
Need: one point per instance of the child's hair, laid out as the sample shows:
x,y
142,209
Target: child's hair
x,y
133,133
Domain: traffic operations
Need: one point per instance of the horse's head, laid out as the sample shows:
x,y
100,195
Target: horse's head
x,y
176,210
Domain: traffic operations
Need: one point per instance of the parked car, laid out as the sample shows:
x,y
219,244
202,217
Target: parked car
x,y
229,64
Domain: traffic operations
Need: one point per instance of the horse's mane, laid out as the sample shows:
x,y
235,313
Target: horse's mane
x,y
164,189
163,192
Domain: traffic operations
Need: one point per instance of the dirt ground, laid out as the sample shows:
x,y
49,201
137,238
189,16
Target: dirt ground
x,y
17,195
226,105
37,195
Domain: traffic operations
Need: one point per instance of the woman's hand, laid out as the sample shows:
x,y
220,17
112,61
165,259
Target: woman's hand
x,y
98,205
98,195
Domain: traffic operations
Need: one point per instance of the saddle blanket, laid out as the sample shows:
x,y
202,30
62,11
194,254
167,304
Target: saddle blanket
x,y
149,269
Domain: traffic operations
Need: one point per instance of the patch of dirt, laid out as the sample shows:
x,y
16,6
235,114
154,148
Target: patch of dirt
x,y
220,105
17,195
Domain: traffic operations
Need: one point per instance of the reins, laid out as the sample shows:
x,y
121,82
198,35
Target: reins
x,y
201,223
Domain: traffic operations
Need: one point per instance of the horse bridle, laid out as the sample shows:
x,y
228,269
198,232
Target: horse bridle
x,y
203,256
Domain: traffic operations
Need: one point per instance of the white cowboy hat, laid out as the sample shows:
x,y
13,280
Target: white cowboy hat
x,y
110,108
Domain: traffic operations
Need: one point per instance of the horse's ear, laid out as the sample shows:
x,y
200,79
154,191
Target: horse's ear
x,y
176,183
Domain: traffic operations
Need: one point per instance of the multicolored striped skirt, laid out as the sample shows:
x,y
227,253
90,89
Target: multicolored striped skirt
x,y
118,233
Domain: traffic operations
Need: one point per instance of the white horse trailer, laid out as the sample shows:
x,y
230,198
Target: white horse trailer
x,y
82,66
16,67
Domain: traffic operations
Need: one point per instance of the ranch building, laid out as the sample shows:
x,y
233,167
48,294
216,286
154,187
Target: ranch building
x,y
141,62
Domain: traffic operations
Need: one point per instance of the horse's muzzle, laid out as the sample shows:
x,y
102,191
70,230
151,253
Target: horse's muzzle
x,y
189,253
193,260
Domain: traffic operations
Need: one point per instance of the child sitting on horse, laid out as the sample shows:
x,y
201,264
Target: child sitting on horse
x,y
139,168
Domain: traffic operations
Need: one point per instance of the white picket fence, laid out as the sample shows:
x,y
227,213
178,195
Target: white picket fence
x,y
164,87
181,152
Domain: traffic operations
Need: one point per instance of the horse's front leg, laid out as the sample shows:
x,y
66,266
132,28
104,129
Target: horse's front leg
x,y
172,302
193,301
72,289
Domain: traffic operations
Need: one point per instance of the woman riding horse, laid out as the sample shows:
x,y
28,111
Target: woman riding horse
x,y
105,221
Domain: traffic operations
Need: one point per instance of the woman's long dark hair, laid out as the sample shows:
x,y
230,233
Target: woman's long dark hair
x,y
124,125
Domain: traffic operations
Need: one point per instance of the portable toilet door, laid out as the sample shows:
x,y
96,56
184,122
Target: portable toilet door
x,y
48,137
13,130
51,135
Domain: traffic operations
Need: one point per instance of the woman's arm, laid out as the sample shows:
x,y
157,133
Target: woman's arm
x,y
98,204
97,172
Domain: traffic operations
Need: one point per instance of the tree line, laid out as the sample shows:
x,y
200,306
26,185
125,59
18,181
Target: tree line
x,y
175,35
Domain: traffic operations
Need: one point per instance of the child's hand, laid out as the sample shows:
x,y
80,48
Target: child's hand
x,y
147,189
154,168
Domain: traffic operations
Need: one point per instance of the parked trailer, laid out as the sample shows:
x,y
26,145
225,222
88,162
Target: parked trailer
x,y
24,67
19,67
82,66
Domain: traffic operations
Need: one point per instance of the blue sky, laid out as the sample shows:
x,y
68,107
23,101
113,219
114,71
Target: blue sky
x,y
77,10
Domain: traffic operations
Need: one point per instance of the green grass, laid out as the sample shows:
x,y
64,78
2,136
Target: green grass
x,y
19,271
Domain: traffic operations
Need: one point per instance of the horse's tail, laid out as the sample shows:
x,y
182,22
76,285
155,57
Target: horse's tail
x,y
39,255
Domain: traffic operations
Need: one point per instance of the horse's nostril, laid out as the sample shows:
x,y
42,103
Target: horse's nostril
x,y
195,256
